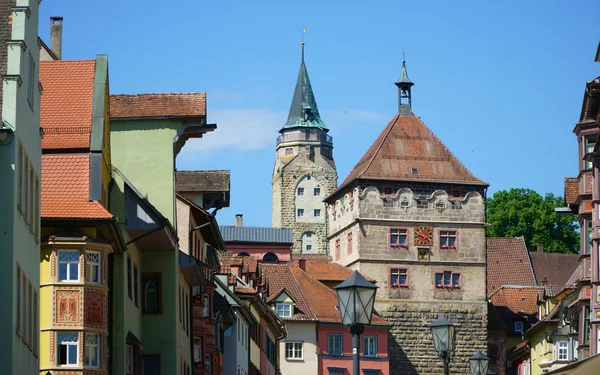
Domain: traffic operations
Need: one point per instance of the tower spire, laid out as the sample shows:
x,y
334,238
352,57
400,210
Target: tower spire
x,y
404,90
303,31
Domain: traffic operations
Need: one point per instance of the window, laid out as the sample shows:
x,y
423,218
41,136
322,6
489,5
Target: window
x,y
588,236
398,277
448,239
398,237
92,350
30,314
206,303
92,266
128,276
447,279
586,326
370,346
293,350
563,351
334,344
590,140
300,212
337,249
181,307
68,265
20,190
152,293
187,313
518,326
388,190
308,247
31,84
308,150
24,169
455,192
68,347
36,330
289,151
198,350
317,212
24,306
300,191
307,134
415,170
30,195
18,300
308,177
151,365
135,284
284,310
317,191
349,242
36,208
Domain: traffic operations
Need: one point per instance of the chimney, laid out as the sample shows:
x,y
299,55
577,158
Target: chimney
x,y
56,36
540,247
239,220
302,264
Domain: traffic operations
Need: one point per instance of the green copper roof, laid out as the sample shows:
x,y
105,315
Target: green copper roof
x,y
404,76
304,111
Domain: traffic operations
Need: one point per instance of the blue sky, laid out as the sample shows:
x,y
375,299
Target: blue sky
x,y
499,82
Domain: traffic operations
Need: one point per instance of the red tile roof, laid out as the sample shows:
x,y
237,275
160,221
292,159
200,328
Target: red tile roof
x,y
169,105
508,263
314,300
571,189
556,268
518,300
66,104
65,188
407,143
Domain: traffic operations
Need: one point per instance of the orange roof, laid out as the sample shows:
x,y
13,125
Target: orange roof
x,y
571,189
170,105
65,188
508,263
66,104
324,270
406,144
314,300
518,300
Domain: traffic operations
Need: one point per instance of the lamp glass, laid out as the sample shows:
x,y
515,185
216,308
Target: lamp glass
x,y
479,364
443,335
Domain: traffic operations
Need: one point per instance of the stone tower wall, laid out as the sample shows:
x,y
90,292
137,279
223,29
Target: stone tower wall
x,y
284,186
360,224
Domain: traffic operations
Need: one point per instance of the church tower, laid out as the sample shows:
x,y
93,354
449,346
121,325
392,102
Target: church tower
x,y
304,172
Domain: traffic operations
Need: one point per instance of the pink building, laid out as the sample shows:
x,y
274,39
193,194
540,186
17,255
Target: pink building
x,y
317,343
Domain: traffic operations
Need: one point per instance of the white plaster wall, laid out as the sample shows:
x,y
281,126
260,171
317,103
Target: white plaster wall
x,y
307,333
309,202
183,225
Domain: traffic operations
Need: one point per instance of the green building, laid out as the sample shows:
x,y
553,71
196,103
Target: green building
x,y
20,160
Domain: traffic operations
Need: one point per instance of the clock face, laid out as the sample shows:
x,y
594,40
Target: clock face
x,y
424,236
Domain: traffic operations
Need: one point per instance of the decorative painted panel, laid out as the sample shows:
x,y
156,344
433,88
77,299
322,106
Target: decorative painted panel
x,y
589,183
424,236
94,309
67,310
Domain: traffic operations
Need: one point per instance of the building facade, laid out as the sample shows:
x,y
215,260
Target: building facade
x,y
20,173
411,216
304,172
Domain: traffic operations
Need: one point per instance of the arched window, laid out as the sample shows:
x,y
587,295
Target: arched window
x,y
152,293
270,258
563,351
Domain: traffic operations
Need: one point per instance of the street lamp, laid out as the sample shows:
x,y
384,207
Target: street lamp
x,y
479,363
356,297
443,340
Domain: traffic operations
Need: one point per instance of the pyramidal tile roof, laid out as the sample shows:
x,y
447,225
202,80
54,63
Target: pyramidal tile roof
x,y
407,146
66,103
313,299
65,188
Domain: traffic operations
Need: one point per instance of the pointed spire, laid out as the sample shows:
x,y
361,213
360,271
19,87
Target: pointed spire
x,y
404,91
304,111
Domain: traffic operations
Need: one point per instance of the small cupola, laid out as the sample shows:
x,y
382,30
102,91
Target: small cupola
x,y
404,85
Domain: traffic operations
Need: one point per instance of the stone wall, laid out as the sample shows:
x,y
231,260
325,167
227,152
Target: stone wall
x,y
285,183
411,343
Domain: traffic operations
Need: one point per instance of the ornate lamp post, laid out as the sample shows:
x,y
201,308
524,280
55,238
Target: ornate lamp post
x,y
356,297
479,363
443,340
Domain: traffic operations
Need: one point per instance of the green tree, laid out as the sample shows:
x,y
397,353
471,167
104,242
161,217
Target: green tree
x,y
523,212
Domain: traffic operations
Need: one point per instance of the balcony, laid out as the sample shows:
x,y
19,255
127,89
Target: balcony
x,y
291,137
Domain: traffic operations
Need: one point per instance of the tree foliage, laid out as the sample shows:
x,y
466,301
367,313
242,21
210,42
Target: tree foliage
x,y
523,212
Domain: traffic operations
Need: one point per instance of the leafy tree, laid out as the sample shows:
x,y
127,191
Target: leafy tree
x,y
523,212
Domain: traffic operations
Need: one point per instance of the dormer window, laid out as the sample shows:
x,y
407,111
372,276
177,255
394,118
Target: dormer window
x,y
284,310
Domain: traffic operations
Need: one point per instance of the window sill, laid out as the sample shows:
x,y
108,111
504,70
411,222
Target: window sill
x,y
399,286
447,287
449,248
295,359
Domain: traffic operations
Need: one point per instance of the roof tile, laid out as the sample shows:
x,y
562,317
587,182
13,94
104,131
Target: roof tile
x,y
571,189
508,263
556,268
169,105
65,188
518,300
66,103
231,233
202,181
405,144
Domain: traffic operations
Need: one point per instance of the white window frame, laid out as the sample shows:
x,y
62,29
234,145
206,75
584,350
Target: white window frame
x,y
282,312
69,263
369,346
316,191
300,191
294,347
59,342
563,351
300,212
317,212
89,264
90,346
517,324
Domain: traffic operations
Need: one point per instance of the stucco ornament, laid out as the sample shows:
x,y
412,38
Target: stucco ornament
x,y
439,205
